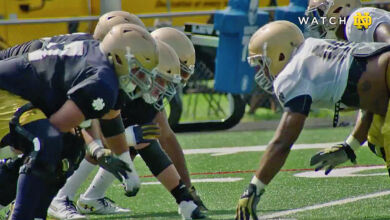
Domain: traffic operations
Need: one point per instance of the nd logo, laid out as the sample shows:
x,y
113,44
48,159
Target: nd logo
x,y
361,21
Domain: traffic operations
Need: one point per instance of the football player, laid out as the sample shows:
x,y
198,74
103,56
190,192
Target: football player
x,y
9,170
69,83
143,111
377,29
135,112
345,72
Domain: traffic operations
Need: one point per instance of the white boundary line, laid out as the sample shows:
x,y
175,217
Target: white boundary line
x,y
323,205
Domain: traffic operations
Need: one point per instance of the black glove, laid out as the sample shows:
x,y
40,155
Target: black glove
x,y
146,132
332,157
246,207
109,162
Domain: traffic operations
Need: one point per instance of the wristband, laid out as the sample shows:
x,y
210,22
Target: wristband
x,y
94,146
130,136
352,142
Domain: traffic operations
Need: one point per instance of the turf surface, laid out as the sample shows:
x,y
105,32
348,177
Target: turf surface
x,y
286,192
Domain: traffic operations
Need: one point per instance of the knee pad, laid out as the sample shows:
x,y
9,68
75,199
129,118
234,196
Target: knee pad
x,y
155,158
9,173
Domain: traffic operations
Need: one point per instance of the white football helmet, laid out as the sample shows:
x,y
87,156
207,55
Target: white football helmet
x,y
270,49
183,47
167,76
134,54
331,9
112,18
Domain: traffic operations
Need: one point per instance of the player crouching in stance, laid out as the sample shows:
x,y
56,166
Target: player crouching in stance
x,y
368,126
90,90
344,72
166,77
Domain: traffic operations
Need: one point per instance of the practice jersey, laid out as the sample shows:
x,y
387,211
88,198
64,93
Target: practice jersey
x,y
33,45
49,77
318,69
356,34
66,38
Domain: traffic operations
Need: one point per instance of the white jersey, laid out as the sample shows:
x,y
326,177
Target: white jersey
x,y
319,68
378,16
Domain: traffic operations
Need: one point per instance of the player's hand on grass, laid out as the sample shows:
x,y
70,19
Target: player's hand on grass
x,y
332,157
106,159
246,207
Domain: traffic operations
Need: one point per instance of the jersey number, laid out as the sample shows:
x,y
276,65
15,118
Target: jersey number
x,y
336,51
71,49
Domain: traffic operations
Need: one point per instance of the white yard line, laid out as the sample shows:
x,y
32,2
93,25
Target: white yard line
x,y
205,180
233,150
323,205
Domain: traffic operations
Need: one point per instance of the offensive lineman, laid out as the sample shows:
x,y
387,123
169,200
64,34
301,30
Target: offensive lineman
x,y
9,168
93,201
65,207
344,72
89,90
139,111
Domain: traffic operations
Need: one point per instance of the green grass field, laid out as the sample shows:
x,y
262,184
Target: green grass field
x,y
287,197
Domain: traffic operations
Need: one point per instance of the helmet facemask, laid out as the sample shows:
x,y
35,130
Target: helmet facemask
x,y
318,29
138,77
186,72
262,64
163,86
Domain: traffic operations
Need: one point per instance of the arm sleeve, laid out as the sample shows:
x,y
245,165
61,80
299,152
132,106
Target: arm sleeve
x,y
300,104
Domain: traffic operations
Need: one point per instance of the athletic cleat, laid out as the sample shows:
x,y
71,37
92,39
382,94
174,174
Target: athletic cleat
x,y
64,209
189,210
99,206
198,201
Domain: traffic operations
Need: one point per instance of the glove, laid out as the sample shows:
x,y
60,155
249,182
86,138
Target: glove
x,y
145,133
247,204
333,156
197,200
107,160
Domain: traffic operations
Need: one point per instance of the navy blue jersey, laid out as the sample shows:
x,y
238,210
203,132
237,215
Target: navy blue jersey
x,y
48,77
137,111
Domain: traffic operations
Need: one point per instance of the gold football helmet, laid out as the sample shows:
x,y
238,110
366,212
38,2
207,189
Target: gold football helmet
x,y
167,76
270,49
332,10
183,47
134,54
112,18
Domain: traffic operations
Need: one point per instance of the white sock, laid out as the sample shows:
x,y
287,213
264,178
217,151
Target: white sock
x,y
99,185
126,158
103,180
259,185
74,182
